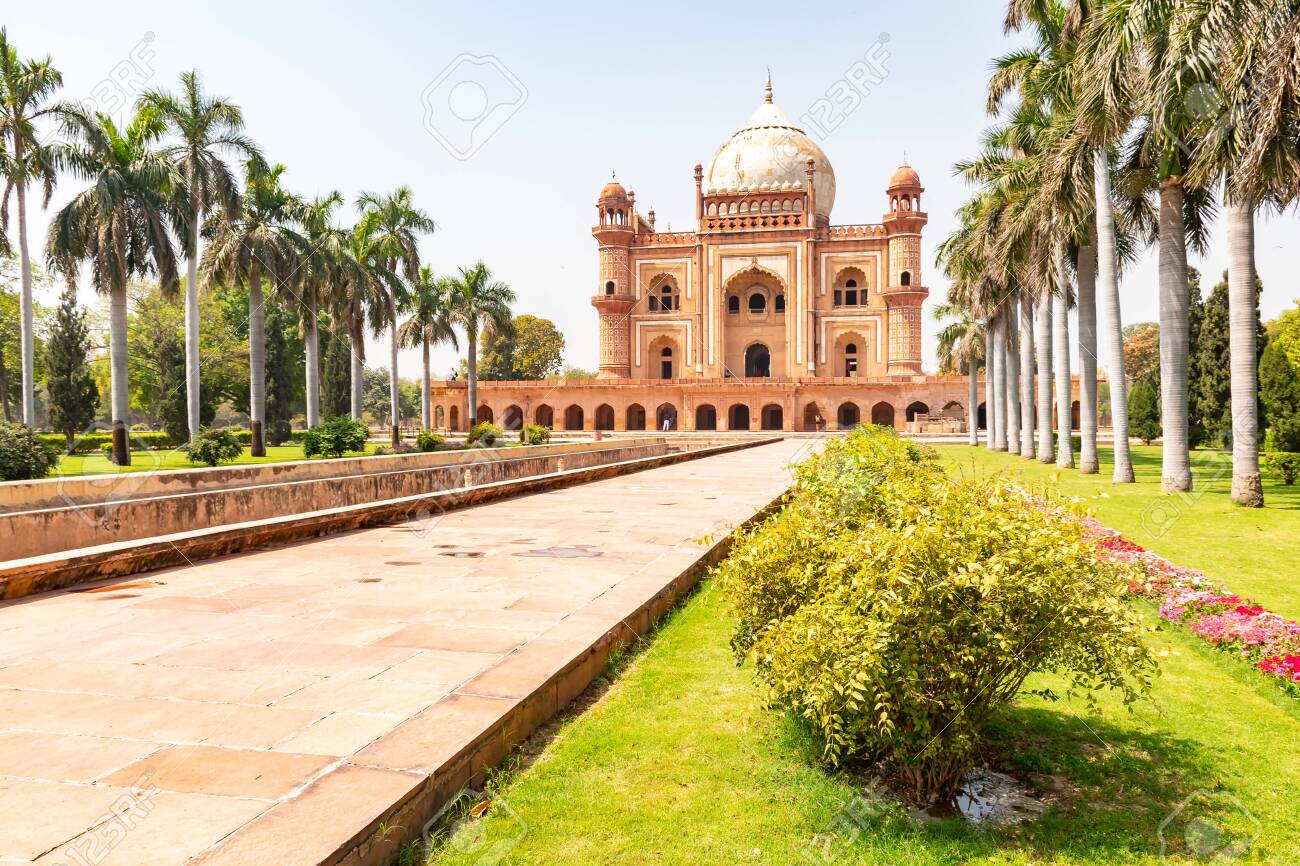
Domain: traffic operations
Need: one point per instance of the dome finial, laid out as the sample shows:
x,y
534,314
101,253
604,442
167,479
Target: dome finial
x,y
767,91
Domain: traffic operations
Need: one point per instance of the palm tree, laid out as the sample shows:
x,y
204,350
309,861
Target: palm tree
x,y
25,89
119,224
1085,270
478,301
429,324
204,128
325,273
398,224
244,249
1061,363
961,346
1246,142
361,299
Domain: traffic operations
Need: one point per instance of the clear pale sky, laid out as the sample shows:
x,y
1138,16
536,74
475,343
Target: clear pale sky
x,y
336,92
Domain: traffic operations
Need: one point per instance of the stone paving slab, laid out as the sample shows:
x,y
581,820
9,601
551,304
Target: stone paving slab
x,y
280,706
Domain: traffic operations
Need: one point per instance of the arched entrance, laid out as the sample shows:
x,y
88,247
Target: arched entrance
x,y
848,416
604,417
758,362
573,417
1074,415
512,419
772,417
439,416
882,414
813,419
545,416
666,417
738,417
485,414
454,423
917,408
636,417
981,418
706,417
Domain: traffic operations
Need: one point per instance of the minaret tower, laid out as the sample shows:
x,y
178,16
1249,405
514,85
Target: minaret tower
x,y
905,293
613,299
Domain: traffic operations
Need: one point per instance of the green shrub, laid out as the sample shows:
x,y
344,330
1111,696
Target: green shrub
x,y
896,610
24,455
335,437
427,440
277,433
1284,464
485,434
535,434
213,446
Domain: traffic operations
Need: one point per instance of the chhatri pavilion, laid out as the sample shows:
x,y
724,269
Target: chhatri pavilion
x,y
767,316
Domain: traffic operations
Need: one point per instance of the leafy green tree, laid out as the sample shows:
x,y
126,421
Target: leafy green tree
x,y
170,408
1279,388
1142,351
577,374
213,447
532,349
1144,410
70,385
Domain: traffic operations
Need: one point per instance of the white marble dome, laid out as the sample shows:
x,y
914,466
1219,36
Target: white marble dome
x,y
770,153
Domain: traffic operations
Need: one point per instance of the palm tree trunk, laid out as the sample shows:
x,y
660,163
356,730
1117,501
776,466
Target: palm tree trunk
x,y
1043,347
1111,322
28,336
193,405
471,336
120,385
256,362
1026,377
394,397
426,402
357,339
990,410
1087,303
1246,486
972,402
1013,379
311,340
1176,467
1061,366
999,382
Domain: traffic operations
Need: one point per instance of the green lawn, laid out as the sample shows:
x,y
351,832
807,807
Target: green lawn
x,y
146,461
1253,550
677,763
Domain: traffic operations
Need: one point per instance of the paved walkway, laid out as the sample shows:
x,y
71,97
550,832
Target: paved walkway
x,y
268,707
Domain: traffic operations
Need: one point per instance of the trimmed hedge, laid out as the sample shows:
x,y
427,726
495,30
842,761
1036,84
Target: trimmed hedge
x,y
144,441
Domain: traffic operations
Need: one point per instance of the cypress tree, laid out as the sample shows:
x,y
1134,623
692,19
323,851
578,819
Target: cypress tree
x,y
335,373
73,395
1279,389
1144,410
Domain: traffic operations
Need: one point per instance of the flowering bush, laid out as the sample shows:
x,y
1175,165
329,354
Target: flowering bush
x,y
1221,618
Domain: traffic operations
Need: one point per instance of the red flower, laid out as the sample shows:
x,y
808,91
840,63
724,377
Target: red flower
x,y
1250,610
